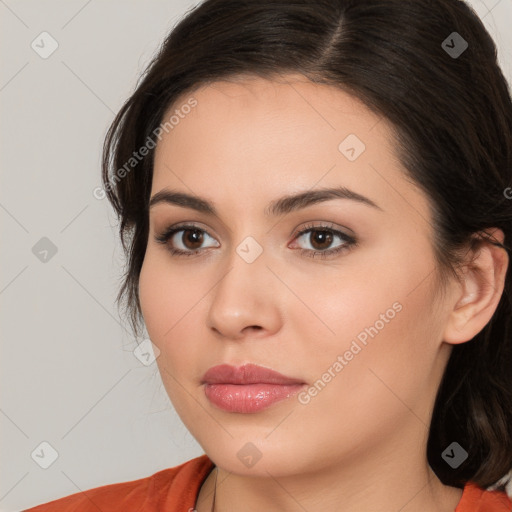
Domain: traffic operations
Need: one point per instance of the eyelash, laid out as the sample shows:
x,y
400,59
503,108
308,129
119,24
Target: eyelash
x,y
350,242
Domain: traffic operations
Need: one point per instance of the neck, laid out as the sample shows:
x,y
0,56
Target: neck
x,y
387,482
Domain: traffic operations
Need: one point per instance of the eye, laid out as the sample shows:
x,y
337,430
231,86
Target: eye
x,y
189,241
320,238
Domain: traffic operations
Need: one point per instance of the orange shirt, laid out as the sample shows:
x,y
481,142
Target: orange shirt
x,y
176,489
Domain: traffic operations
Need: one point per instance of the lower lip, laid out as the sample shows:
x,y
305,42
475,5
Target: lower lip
x,y
248,398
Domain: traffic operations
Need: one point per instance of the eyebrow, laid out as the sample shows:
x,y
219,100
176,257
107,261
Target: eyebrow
x,y
280,206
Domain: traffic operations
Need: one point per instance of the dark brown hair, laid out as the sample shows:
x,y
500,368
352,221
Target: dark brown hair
x,y
452,116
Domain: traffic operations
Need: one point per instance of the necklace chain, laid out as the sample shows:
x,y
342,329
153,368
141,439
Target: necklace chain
x,y
214,489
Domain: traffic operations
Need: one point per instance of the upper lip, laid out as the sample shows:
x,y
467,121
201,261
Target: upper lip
x,y
246,374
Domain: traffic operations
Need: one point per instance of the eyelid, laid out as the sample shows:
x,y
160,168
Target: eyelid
x,y
327,225
297,231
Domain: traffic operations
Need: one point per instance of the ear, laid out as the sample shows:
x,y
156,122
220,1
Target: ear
x,y
480,289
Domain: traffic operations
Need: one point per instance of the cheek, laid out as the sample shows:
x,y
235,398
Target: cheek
x,y
166,294
173,303
386,375
376,309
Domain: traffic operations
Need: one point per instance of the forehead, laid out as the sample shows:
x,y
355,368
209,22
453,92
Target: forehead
x,y
291,98
276,137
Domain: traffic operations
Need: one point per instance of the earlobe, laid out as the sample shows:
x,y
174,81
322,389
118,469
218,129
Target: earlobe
x,y
481,288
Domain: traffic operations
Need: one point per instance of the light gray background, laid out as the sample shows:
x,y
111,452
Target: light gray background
x,y
68,373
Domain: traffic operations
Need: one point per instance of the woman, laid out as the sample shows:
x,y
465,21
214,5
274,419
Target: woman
x,y
315,201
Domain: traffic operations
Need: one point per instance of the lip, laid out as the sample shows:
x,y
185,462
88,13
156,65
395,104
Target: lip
x,y
247,389
246,374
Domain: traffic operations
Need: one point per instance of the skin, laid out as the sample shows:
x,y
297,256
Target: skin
x,y
360,443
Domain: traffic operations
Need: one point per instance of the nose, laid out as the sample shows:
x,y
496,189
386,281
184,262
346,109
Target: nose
x,y
246,301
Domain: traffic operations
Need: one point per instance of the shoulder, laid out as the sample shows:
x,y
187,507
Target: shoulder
x,y
173,490
476,499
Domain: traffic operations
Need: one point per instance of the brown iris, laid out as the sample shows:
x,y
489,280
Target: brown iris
x,y
322,237
194,236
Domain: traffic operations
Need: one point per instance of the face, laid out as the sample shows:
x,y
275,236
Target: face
x,y
335,291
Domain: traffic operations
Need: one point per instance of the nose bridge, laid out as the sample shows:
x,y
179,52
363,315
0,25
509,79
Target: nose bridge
x,y
243,297
245,272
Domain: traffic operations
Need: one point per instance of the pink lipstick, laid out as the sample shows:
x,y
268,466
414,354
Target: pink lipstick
x,y
247,389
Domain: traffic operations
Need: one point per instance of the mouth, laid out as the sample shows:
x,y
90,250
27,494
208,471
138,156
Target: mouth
x,y
247,389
